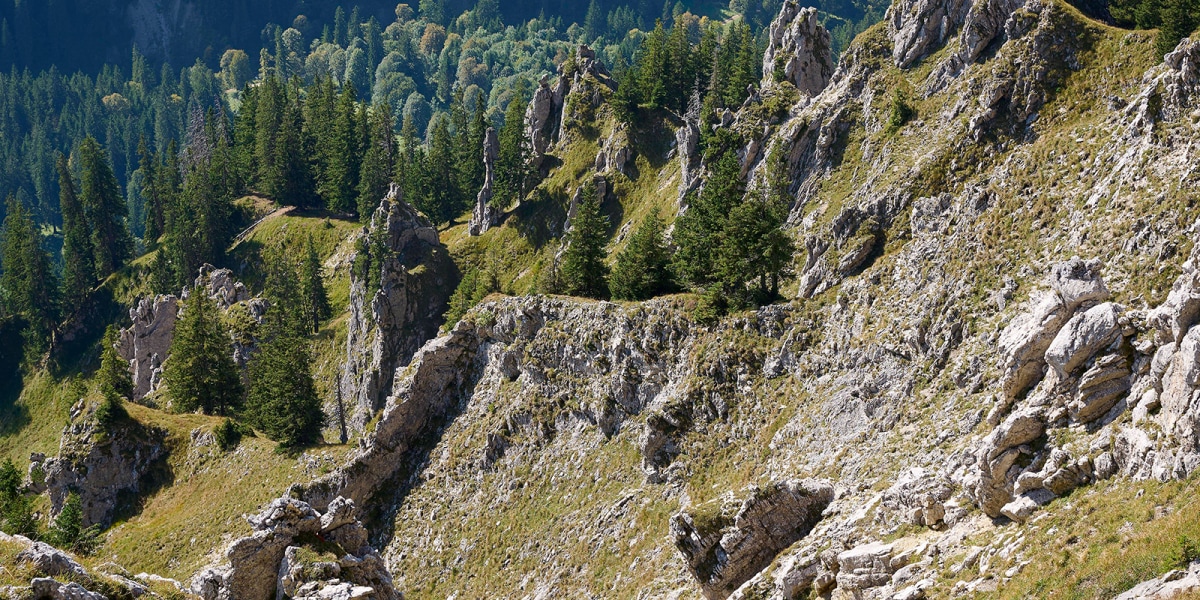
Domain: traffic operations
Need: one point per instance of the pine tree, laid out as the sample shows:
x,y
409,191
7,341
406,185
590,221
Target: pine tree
x,y
641,271
1179,20
316,301
583,268
698,230
27,285
512,164
78,256
16,510
105,209
199,370
282,400
112,380
378,161
442,201
592,23
339,182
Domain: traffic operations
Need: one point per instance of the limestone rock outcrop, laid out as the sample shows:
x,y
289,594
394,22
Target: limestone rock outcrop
x,y
1025,341
727,541
541,126
918,27
398,292
58,576
799,50
485,215
146,343
107,469
920,497
1175,583
548,114
270,564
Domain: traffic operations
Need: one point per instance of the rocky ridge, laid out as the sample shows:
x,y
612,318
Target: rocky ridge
x,y
58,576
524,382
283,558
399,286
949,373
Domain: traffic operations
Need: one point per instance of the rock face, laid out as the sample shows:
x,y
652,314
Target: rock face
x,y
50,566
920,496
107,470
728,541
548,111
398,291
918,27
541,127
799,50
486,216
1176,583
615,152
270,562
147,342
1025,341
687,144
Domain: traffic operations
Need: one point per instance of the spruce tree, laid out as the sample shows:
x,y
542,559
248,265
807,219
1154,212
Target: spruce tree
x,y
105,209
16,510
583,269
112,380
271,104
28,287
468,140
199,370
592,23
78,256
753,250
282,400
409,169
442,198
1179,20
699,229
512,164
296,185
339,182
68,532
316,301
378,161
475,167
641,271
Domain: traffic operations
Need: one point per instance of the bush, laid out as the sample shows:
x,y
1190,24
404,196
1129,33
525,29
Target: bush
x,y
16,510
230,433
1187,553
901,112
110,411
67,531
